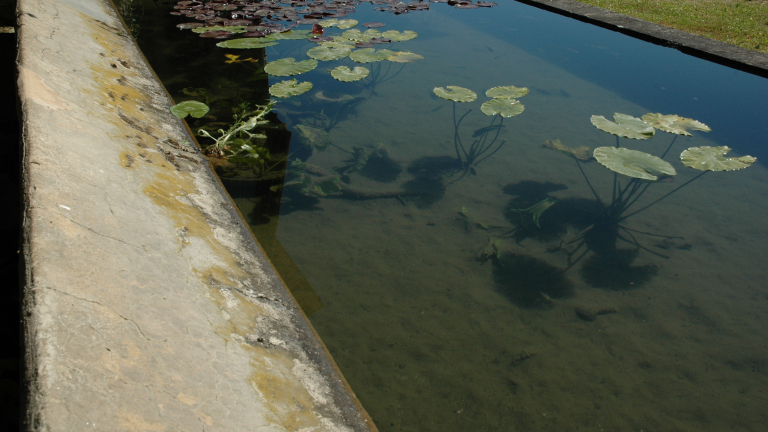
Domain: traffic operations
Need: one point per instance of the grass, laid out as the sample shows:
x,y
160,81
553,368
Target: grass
x,y
738,22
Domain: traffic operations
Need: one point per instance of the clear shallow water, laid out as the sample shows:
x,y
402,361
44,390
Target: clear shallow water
x,y
432,338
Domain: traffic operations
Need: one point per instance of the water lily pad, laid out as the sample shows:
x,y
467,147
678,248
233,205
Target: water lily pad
x,y
231,29
456,94
372,34
400,37
346,24
713,159
291,35
504,107
355,35
404,57
194,108
247,43
289,88
328,23
369,55
289,66
343,73
626,126
579,153
329,51
633,163
507,92
674,124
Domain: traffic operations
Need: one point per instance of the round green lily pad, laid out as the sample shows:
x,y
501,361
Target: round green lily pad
x,y
247,43
355,35
674,124
370,55
507,92
289,66
713,159
328,23
633,163
626,126
329,51
404,57
289,88
194,108
504,107
343,73
456,94
231,29
346,23
290,35
396,36
371,34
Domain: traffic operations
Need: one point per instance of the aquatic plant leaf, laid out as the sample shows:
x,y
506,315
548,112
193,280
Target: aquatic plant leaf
x,y
538,209
370,55
329,51
316,138
334,97
194,108
633,163
247,43
355,35
708,158
674,124
231,29
626,126
504,107
342,40
404,57
506,92
400,37
328,23
291,35
372,34
579,153
289,66
456,94
343,73
289,88
491,249
346,24
470,220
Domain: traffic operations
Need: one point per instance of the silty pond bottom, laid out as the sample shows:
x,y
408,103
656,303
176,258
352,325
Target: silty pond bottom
x,y
497,295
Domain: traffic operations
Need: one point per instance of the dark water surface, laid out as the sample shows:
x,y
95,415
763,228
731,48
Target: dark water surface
x,y
443,302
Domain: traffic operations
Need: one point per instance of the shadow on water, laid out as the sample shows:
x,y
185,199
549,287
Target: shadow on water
x,y
615,272
529,282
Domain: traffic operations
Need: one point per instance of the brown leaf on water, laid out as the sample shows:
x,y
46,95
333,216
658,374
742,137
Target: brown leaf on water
x,y
579,153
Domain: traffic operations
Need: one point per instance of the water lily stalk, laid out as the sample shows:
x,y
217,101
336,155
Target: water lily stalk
x,y
668,194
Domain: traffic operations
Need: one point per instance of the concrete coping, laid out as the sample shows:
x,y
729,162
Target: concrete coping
x,y
746,60
147,304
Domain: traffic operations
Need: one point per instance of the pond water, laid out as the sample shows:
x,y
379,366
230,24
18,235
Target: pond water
x,y
456,297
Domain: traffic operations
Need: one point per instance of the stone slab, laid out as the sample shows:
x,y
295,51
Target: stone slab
x,y
754,62
148,305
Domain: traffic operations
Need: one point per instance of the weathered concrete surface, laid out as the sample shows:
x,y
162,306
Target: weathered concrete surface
x,y
751,61
147,304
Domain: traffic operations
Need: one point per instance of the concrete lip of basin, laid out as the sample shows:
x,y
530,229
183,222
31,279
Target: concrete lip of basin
x,y
147,304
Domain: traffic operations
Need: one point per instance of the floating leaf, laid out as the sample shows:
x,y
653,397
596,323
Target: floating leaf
x,y
355,35
328,23
291,35
370,55
456,94
194,108
400,37
329,51
343,73
503,107
247,43
231,29
626,126
713,159
507,92
674,124
372,34
633,163
289,66
343,41
580,153
289,88
346,24
404,57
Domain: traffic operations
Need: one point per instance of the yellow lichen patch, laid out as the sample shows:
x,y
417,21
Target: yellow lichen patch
x,y
127,160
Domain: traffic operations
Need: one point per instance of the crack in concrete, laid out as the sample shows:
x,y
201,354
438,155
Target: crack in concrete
x,y
100,234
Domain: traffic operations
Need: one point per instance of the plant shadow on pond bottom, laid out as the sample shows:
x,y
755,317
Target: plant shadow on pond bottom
x,y
529,282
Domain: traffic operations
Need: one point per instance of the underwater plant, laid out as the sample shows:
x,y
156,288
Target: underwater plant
x,y
504,103
644,171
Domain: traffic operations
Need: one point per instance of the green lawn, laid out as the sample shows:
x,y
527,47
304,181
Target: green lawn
x,y
738,22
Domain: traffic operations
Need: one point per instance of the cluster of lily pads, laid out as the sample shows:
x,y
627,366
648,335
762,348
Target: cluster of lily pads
x,y
223,18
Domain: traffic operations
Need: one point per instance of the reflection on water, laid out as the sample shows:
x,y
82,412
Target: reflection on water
x,y
459,295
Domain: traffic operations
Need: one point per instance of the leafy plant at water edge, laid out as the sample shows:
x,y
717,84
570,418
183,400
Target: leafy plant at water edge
x,y
238,143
